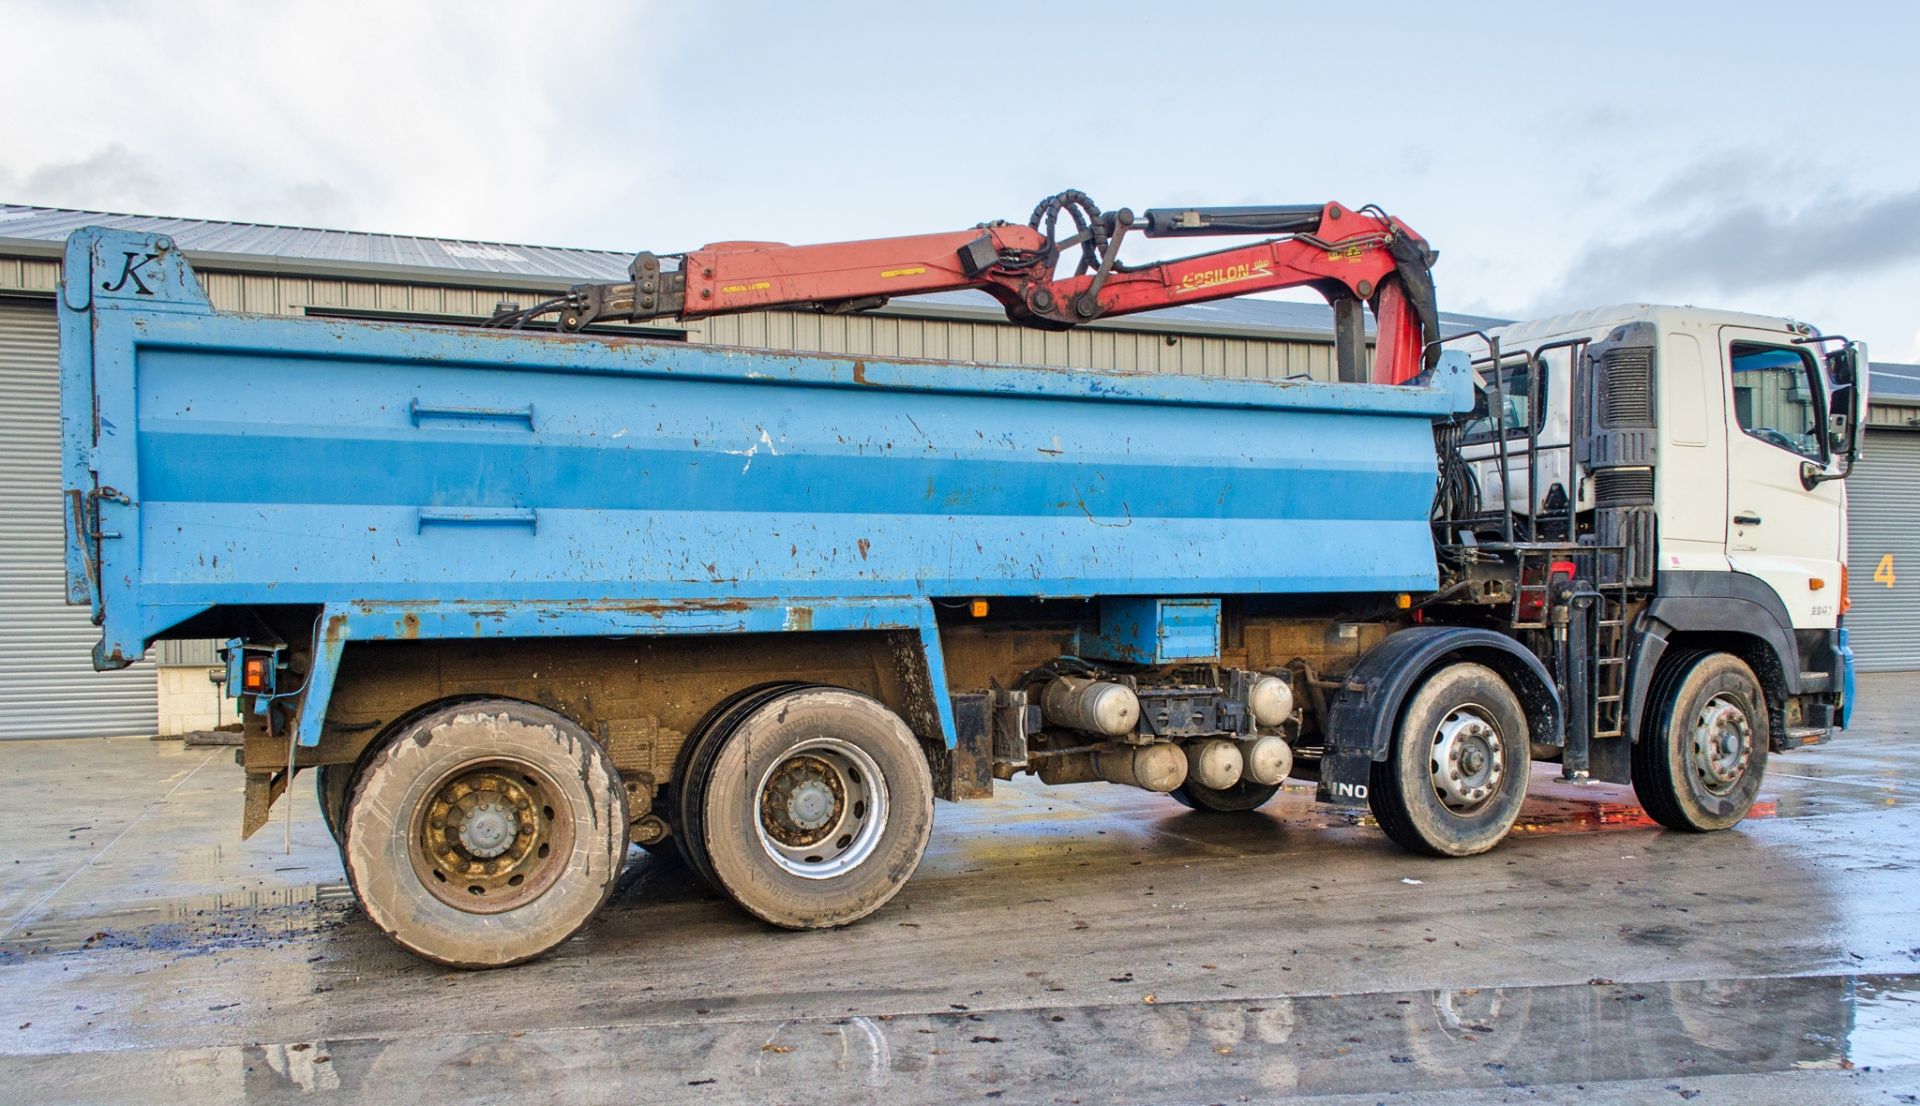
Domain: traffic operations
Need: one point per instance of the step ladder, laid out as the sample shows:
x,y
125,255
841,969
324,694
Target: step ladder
x,y
1610,642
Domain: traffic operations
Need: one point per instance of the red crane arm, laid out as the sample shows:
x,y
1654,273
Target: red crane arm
x,y
726,277
1350,257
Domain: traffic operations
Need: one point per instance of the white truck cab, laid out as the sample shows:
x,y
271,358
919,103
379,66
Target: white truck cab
x,y
1697,559
1752,420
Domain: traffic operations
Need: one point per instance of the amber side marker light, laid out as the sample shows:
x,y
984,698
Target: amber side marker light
x,y
1846,599
978,608
253,677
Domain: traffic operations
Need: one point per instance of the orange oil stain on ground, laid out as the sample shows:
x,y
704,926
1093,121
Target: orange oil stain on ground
x,y
1564,816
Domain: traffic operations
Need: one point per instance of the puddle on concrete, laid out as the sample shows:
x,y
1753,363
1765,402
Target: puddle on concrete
x,y
1506,1038
1886,1022
204,923
1499,1039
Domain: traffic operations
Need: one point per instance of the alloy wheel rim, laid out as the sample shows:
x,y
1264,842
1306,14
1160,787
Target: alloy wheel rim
x,y
820,810
1465,763
491,836
1721,744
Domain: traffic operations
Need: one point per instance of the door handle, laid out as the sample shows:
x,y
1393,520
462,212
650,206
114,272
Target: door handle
x,y
416,411
1746,520
477,516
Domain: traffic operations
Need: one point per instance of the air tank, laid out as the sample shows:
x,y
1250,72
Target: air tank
x,y
1095,706
1268,759
1154,767
1270,700
1214,763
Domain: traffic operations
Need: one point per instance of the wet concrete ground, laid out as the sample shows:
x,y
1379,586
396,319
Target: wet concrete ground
x,y
1089,944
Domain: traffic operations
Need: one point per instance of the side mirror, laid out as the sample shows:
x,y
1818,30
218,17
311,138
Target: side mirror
x,y
1846,413
1843,364
1853,362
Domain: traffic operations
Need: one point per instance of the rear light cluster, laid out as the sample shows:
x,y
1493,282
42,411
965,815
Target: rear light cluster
x,y
250,669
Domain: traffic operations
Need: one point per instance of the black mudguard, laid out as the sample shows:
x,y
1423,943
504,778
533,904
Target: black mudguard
x,y
1361,717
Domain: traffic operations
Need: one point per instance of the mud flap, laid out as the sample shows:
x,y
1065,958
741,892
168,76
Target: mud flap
x,y
1343,777
263,788
966,770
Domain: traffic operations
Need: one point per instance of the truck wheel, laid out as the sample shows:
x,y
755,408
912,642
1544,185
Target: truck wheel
x,y
696,759
1455,777
1703,750
1245,795
809,807
485,833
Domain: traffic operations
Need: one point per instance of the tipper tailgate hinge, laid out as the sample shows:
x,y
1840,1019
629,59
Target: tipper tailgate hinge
x,y
106,495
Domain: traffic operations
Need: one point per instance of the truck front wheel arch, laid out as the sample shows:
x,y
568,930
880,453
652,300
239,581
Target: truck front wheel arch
x,y
1661,646
1363,716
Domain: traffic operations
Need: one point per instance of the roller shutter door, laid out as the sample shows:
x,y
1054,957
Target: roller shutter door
x,y
48,687
1883,541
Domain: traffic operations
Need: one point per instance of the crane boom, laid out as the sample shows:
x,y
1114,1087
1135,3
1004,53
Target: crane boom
x,y
1352,257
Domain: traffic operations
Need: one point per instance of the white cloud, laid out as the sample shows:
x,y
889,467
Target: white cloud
x,y
476,120
110,178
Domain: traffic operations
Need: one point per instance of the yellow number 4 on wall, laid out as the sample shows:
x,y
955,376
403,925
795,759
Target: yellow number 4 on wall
x,y
1883,574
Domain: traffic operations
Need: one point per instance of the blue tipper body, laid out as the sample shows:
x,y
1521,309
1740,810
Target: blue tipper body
x,y
1157,631
419,481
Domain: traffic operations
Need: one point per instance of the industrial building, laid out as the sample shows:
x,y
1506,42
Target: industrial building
x,y
48,687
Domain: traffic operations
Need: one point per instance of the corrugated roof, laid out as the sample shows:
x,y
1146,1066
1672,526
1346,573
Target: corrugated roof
x,y
214,243
1894,382
443,256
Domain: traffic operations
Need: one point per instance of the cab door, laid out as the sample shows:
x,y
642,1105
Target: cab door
x,y
1778,529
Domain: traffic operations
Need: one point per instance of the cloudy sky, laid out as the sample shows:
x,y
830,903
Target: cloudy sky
x,y
1760,156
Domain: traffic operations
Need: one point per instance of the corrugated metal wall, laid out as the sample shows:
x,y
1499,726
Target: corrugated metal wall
x,y
1883,552
291,294
1003,343
1892,416
48,687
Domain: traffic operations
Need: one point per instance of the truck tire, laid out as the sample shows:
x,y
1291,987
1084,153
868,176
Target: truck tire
x,y
1702,751
1456,773
695,760
809,807
1243,796
485,833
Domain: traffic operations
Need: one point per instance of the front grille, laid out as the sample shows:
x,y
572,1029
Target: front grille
x,y
1623,487
1626,392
